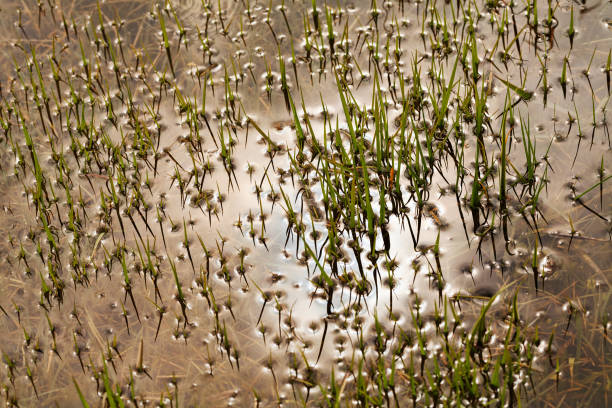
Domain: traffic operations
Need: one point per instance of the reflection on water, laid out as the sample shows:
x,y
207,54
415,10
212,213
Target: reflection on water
x,y
167,229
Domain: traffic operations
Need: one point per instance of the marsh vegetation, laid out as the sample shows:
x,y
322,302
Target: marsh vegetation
x,y
305,203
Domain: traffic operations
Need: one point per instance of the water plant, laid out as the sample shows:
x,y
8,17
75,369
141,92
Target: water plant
x,y
382,195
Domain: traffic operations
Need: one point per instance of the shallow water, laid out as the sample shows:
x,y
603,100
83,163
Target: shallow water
x,y
262,326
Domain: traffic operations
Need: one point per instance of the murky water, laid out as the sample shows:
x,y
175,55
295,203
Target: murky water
x,y
175,234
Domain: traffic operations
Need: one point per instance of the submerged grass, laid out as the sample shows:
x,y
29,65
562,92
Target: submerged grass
x,y
391,129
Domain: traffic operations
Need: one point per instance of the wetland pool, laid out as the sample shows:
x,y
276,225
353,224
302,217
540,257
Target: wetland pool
x,y
305,203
